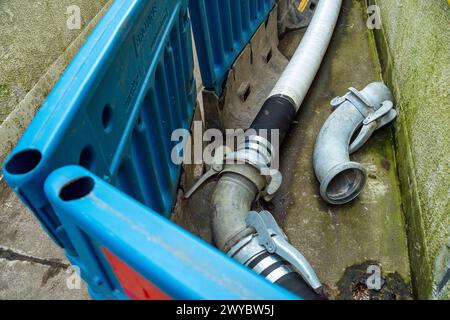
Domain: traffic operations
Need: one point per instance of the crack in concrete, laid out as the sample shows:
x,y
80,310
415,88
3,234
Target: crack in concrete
x,y
10,255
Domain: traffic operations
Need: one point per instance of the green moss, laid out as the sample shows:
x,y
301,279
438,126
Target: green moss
x,y
32,36
413,47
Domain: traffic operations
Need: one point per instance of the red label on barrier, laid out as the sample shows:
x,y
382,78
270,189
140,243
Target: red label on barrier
x,y
136,287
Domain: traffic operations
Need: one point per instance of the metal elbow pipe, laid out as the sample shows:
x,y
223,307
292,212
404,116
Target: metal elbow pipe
x,y
342,180
245,235
239,185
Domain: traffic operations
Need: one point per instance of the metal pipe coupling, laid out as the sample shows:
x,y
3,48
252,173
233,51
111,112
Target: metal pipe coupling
x,y
268,253
342,180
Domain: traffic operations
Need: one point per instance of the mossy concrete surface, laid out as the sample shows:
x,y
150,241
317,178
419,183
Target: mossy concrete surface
x,y
36,46
414,46
33,35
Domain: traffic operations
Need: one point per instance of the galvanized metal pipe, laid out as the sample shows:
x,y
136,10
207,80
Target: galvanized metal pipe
x,y
342,180
231,202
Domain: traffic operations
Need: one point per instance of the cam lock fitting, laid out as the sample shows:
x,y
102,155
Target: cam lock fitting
x,y
256,152
270,238
376,117
342,180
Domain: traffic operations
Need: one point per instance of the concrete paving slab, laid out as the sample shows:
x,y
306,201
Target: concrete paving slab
x,y
33,35
30,66
32,266
33,280
22,233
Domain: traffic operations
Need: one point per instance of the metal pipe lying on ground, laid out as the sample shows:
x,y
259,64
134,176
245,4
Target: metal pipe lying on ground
x,y
342,180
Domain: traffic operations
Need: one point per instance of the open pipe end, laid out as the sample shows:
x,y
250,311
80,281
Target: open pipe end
x,y
343,183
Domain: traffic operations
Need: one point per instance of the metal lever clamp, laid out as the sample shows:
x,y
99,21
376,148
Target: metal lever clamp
x,y
374,120
273,239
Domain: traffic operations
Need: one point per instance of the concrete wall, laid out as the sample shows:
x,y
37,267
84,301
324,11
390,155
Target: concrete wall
x,y
36,45
414,45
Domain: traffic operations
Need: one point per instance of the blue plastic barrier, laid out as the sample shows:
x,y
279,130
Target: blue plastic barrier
x,y
222,29
156,250
113,111
95,164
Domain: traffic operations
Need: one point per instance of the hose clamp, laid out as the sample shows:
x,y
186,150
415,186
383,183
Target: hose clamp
x,y
376,117
258,152
248,251
255,151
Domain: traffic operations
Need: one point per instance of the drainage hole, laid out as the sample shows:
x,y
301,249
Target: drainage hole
x,y
87,158
247,93
24,162
77,189
244,91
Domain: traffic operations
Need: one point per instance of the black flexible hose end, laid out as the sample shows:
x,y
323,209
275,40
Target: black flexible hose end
x,y
294,283
270,266
277,113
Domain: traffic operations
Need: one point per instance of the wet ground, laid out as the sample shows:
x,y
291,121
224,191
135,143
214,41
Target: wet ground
x,y
345,244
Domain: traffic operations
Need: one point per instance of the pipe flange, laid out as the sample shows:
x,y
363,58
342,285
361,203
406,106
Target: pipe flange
x,y
258,152
357,99
355,177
